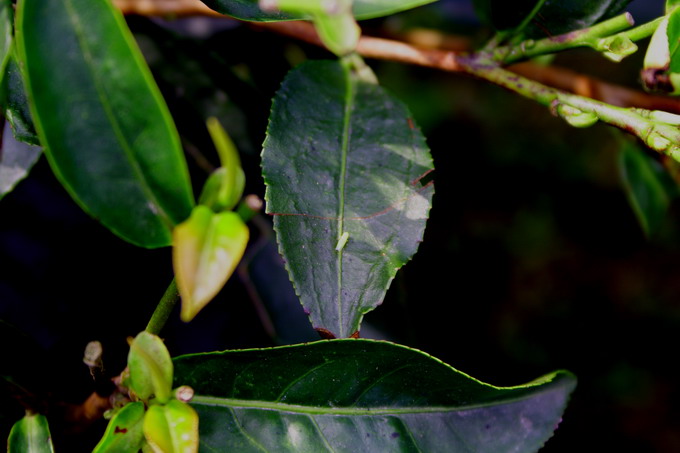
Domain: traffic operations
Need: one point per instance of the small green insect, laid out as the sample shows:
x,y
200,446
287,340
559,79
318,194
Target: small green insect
x,y
342,241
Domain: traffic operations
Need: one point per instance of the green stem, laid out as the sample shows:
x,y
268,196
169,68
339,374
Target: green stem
x,y
163,309
599,37
643,31
657,132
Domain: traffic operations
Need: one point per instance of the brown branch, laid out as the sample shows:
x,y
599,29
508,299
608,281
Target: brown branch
x,y
379,48
394,50
170,8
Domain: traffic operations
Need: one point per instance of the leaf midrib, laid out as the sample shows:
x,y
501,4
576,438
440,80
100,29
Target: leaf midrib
x,y
103,98
236,403
346,132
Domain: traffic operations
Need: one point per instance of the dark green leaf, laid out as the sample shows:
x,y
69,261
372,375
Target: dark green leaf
x,y
557,17
671,4
361,395
553,18
124,433
15,104
363,9
16,160
343,156
504,15
31,434
150,368
648,187
107,132
6,32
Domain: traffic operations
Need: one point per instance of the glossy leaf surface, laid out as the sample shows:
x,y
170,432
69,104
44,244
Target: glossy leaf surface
x,y
150,367
107,131
208,247
172,428
16,160
31,434
124,433
649,188
554,17
362,395
343,156
363,9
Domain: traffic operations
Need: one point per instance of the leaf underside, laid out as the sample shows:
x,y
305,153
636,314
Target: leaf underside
x,y
16,160
107,132
363,9
343,156
553,18
362,395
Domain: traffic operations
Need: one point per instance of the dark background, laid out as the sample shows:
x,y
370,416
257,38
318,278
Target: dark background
x,y
532,260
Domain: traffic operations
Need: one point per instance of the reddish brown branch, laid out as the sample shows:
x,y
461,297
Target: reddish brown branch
x,y
171,8
394,50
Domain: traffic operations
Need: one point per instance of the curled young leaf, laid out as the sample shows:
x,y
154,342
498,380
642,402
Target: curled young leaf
x,y
124,433
150,368
172,428
207,249
224,186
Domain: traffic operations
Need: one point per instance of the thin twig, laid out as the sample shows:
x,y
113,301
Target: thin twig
x,y
387,49
170,8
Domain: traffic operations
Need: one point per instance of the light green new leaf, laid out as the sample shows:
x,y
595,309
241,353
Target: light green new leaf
x,y
107,132
16,160
363,9
150,368
172,428
343,156
124,433
224,187
207,249
363,396
339,32
648,187
31,434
